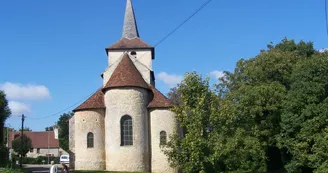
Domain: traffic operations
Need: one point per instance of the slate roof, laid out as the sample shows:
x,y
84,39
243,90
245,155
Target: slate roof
x,y
126,43
130,29
39,139
159,100
96,101
126,75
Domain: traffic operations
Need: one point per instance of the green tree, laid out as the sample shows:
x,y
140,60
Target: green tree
x,y
4,114
212,141
63,130
27,144
269,113
304,119
27,129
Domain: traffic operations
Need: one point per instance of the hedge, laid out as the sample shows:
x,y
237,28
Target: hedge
x,y
38,160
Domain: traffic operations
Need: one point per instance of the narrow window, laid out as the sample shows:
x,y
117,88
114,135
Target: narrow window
x,y
126,131
162,138
90,140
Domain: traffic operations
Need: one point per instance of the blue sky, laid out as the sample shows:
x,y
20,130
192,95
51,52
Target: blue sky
x,y
52,52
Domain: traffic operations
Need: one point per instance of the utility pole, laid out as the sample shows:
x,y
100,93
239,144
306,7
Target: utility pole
x,y
22,142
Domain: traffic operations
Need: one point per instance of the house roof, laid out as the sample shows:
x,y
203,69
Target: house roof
x,y
96,101
129,43
126,75
159,100
39,139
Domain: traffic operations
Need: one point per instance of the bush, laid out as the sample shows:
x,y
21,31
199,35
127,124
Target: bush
x,y
38,160
9,170
3,156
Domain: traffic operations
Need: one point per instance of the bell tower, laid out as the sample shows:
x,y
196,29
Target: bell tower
x,y
130,43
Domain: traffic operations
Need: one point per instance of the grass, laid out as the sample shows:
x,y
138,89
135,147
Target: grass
x,y
100,172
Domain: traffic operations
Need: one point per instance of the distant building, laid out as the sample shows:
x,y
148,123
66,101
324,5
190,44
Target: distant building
x,y
123,125
43,143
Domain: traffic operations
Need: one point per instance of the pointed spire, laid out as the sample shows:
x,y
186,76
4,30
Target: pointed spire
x,y
130,29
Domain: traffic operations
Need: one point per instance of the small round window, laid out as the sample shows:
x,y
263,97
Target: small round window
x,y
134,53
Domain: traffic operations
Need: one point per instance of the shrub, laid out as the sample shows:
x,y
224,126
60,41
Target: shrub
x,y
9,170
38,160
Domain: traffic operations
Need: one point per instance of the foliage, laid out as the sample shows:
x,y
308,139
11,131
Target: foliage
x,y
4,115
38,160
9,170
27,144
269,113
63,125
209,144
51,128
27,129
175,96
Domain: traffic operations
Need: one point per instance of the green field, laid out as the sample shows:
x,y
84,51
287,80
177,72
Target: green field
x,y
100,172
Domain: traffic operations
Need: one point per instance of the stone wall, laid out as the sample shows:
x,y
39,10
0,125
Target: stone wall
x,y
85,122
132,102
161,120
71,143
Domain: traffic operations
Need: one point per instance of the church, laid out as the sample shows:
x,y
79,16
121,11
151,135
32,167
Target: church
x,y
124,124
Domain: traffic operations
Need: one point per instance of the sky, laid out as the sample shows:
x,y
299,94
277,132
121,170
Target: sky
x,y
52,53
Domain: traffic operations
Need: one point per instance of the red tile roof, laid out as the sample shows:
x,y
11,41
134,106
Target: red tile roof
x,y
39,139
159,100
126,75
134,43
96,101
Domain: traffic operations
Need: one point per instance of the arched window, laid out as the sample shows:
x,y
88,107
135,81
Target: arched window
x,y
90,140
162,138
126,131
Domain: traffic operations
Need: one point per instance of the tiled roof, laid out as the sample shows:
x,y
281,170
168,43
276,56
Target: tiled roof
x,y
159,100
39,139
126,75
96,101
125,43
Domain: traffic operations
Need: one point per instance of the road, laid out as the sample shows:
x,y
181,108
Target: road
x,y
40,168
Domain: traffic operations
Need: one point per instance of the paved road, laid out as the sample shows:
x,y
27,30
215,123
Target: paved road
x,y
39,168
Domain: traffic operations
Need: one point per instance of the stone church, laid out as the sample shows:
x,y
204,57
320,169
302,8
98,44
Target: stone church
x,y
122,126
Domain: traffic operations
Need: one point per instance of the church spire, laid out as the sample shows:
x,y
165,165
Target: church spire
x,y
130,29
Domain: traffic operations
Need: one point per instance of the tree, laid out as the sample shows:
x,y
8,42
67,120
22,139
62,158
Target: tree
x,y
4,114
175,96
269,113
49,128
27,129
27,144
210,142
304,117
259,90
63,130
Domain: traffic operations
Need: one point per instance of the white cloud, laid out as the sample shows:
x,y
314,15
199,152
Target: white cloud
x,y
169,79
217,74
323,50
18,91
18,108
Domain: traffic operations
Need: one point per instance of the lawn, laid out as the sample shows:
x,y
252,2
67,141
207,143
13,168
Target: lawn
x,y
99,172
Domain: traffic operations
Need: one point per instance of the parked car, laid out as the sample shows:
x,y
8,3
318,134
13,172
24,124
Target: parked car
x,y
64,159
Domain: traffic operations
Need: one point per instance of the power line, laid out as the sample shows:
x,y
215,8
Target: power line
x,y
184,22
54,114
158,43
